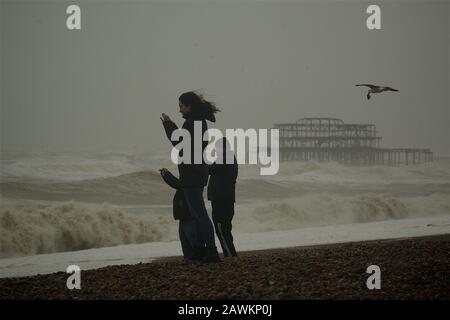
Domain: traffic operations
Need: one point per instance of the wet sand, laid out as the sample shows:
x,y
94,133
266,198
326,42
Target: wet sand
x,y
414,268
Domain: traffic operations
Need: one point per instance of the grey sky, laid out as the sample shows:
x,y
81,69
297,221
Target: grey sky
x,y
104,87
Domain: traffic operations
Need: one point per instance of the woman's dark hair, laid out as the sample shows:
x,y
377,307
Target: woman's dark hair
x,y
199,106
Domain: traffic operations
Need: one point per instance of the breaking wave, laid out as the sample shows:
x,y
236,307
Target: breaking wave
x,y
87,189
72,226
316,209
137,187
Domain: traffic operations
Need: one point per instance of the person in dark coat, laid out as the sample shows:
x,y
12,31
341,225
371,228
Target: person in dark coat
x,y
194,177
221,193
186,227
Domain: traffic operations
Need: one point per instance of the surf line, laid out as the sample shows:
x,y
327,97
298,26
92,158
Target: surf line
x,y
256,151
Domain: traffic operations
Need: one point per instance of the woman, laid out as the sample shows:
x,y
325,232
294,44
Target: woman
x,y
193,177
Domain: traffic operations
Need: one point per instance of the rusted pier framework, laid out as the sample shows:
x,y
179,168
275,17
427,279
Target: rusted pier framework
x,y
330,139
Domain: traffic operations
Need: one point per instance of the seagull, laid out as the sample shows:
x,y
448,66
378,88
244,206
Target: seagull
x,y
375,89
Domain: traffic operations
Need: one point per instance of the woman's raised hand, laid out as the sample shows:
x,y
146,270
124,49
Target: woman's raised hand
x,y
164,117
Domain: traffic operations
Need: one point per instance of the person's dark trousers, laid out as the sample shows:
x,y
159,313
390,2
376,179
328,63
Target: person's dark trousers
x,y
197,208
187,230
222,214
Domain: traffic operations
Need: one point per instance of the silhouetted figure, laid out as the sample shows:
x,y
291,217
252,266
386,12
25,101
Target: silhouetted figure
x,y
187,225
194,177
221,193
375,89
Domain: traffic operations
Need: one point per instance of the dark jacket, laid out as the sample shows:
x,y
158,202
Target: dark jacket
x,y
222,182
180,207
191,175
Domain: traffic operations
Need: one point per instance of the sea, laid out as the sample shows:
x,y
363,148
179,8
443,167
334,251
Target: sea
x,y
54,203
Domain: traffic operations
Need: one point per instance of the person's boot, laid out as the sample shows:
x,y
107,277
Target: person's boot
x,y
211,255
197,255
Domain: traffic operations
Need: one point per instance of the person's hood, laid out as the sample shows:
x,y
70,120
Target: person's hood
x,y
201,113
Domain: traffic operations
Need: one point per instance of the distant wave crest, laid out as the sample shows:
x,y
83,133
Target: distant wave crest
x,y
72,226
326,208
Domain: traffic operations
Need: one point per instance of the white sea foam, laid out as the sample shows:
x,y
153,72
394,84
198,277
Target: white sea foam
x,y
55,202
324,208
73,226
146,252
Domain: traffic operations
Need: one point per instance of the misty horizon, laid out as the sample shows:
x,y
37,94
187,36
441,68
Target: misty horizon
x,y
103,88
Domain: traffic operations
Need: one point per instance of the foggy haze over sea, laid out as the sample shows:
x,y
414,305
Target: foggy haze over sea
x,y
102,88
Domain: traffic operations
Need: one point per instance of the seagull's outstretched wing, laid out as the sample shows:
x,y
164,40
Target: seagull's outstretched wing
x,y
390,89
371,86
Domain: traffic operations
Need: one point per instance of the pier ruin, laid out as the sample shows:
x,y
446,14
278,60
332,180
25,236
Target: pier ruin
x,y
330,139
